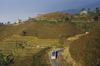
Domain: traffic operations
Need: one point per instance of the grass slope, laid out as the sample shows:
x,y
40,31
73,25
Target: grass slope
x,y
88,26
86,50
41,29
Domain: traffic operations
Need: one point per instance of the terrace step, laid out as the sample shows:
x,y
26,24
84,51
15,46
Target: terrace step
x,y
6,52
4,48
33,45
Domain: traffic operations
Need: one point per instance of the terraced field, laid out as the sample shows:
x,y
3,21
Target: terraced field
x,y
22,46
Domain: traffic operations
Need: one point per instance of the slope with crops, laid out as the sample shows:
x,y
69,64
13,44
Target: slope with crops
x,y
23,46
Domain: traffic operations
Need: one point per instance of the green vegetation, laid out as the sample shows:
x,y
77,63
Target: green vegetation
x,y
82,9
88,26
97,9
39,59
6,61
96,18
92,17
24,32
1,24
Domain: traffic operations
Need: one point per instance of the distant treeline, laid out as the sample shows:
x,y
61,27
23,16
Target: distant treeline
x,y
1,24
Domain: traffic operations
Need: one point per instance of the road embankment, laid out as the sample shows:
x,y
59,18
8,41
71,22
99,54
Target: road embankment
x,y
65,58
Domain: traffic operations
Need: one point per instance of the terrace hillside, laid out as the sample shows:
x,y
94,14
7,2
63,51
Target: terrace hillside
x,y
20,47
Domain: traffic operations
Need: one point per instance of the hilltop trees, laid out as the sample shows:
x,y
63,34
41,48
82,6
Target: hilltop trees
x,y
82,9
8,22
97,9
1,24
88,10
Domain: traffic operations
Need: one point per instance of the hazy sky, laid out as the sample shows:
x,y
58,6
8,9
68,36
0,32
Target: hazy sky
x,y
11,10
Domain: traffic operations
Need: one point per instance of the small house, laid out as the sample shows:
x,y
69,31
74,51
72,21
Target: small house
x,y
83,12
18,21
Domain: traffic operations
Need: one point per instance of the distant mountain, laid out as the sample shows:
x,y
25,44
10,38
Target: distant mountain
x,y
72,11
91,6
77,10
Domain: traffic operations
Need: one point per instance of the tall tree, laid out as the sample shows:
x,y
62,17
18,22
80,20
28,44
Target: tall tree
x,y
2,23
97,9
82,9
88,10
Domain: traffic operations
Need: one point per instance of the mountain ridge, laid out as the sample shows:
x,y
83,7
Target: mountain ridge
x,y
77,10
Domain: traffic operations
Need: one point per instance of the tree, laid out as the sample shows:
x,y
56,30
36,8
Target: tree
x,y
88,10
24,32
67,18
36,34
1,23
7,61
29,17
82,9
8,22
99,14
2,62
97,9
1,56
96,18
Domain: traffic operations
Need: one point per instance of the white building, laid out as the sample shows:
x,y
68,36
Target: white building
x,y
83,12
18,21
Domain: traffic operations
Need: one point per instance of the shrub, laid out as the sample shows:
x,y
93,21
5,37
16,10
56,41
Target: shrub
x,y
96,18
36,34
38,59
24,32
8,61
61,37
